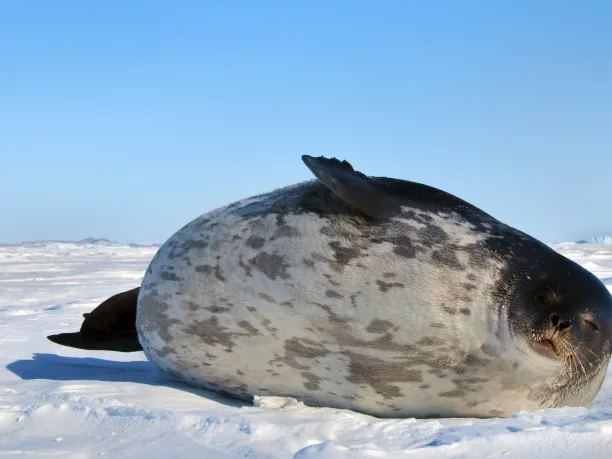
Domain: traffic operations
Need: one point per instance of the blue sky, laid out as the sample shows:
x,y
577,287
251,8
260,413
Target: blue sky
x,y
128,119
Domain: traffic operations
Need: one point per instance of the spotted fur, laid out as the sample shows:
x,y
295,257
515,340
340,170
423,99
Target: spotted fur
x,y
297,293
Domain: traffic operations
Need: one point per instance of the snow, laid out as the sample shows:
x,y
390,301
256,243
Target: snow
x,y
68,403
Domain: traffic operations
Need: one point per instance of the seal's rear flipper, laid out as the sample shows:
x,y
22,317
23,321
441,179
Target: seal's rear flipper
x,y
352,186
120,341
109,327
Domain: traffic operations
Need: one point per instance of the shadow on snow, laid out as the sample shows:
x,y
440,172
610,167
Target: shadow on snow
x,y
59,368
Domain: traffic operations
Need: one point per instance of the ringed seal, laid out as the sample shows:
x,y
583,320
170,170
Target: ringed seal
x,y
374,294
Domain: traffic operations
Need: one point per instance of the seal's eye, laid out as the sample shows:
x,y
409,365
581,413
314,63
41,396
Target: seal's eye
x,y
544,296
540,298
591,324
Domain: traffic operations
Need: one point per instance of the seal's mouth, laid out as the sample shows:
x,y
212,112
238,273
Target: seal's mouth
x,y
544,342
553,344
546,347
559,348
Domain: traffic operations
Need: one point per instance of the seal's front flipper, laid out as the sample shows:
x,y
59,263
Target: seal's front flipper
x,y
352,186
109,327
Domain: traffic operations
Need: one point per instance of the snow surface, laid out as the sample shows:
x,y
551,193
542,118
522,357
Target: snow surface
x,y
62,402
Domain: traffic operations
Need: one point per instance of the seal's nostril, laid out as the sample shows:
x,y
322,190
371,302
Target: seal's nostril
x,y
554,320
559,324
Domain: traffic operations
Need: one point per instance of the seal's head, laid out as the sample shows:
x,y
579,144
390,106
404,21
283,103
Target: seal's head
x,y
563,312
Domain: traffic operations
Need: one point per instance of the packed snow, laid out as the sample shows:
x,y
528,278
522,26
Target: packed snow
x,y
62,402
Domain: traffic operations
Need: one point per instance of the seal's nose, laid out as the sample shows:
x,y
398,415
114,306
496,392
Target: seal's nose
x,y
560,324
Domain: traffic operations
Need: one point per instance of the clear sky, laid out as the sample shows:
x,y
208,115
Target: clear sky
x,y
126,119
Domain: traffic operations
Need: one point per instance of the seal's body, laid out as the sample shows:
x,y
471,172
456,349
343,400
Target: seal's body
x,y
378,295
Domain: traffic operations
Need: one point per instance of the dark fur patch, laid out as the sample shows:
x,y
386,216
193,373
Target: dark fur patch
x,y
251,331
218,274
266,297
285,231
447,257
211,332
186,247
332,294
386,286
457,393
205,269
255,242
215,309
311,380
308,262
343,255
379,326
302,348
380,374
169,276
248,271
430,341
273,266
402,246
433,235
